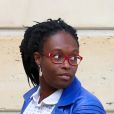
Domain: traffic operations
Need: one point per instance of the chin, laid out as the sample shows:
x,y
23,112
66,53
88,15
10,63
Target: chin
x,y
62,85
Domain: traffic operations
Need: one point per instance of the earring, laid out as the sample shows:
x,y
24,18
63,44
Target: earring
x,y
40,72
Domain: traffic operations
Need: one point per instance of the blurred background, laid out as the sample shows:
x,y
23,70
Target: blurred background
x,y
94,20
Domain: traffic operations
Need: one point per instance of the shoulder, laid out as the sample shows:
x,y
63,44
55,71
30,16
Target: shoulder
x,y
88,103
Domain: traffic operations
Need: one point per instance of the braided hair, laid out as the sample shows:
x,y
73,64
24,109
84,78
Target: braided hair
x,y
33,41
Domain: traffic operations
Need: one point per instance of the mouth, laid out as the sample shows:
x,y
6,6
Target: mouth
x,y
65,76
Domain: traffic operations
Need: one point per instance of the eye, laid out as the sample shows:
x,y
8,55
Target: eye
x,y
56,56
73,58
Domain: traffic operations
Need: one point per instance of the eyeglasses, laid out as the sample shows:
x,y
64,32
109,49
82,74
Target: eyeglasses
x,y
59,58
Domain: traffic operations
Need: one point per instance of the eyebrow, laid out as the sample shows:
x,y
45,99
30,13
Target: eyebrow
x,y
57,49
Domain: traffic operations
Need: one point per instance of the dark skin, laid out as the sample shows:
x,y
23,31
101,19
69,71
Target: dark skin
x,y
51,79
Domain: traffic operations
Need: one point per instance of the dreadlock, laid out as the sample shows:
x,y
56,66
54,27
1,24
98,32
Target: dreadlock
x,y
33,41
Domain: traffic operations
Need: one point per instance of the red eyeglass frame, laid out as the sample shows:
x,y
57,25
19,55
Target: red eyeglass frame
x,y
50,55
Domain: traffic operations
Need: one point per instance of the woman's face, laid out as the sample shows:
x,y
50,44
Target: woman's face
x,y
58,75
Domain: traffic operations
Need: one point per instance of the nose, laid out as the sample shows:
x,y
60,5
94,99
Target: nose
x,y
66,64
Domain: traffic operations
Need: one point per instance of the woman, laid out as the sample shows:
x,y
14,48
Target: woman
x,y
50,55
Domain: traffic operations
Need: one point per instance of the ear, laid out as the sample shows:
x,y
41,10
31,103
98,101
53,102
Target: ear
x,y
37,57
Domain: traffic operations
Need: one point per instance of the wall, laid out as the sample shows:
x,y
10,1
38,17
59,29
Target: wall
x,y
79,13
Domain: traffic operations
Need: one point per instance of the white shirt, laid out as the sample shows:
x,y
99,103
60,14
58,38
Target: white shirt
x,y
46,106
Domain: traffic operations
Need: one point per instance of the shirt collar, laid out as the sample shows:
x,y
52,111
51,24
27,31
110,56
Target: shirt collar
x,y
50,100
53,98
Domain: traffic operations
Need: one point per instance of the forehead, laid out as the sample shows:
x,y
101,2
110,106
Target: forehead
x,y
61,41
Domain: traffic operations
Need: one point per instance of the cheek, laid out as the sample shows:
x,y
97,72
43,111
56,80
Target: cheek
x,y
49,75
48,69
74,70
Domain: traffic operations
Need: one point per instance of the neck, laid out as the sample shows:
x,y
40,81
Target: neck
x,y
45,89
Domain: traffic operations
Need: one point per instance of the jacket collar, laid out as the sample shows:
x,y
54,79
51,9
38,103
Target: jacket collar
x,y
30,93
69,95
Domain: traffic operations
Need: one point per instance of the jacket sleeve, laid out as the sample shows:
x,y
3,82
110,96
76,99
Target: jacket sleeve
x,y
89,109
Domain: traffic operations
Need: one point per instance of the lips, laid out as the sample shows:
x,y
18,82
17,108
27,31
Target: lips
x,y
65,76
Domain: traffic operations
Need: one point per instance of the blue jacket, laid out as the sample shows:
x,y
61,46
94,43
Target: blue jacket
x,y
74,100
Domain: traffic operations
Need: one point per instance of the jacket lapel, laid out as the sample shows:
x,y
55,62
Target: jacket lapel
x,y
27,98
